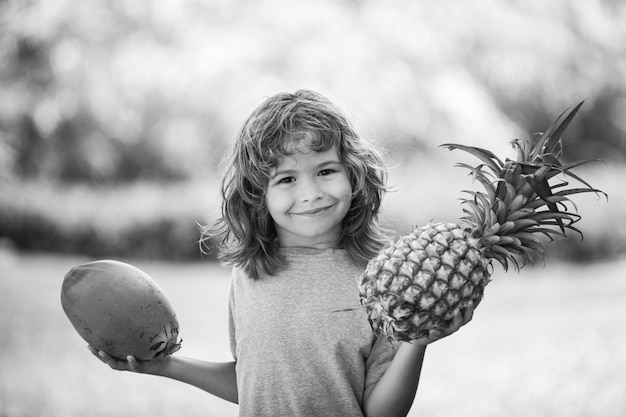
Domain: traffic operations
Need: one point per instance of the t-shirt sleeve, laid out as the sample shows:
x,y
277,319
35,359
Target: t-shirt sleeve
x,y
231,319
381,355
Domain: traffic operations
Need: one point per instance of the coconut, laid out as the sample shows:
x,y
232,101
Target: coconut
x,y
119,309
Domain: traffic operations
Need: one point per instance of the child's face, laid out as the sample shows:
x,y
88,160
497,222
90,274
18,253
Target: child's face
x,y
308,196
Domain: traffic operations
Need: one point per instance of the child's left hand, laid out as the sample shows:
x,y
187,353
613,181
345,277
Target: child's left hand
x,y
398,385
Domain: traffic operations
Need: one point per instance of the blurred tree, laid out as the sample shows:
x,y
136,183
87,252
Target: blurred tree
x,y
603,130
29,148
122,91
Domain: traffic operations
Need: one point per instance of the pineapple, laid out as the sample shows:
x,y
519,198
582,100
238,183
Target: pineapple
x,y
417,283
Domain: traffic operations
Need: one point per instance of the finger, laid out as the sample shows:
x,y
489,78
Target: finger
x,y
469,312
133,363
95,353
105,356
102,356
113,362
457,321
434,335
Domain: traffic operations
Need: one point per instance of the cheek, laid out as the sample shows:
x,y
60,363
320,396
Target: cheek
x,y
274,202
268,202
348,195
345,190
343,193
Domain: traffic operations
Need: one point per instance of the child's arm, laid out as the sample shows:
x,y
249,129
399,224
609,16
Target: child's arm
x,y
394,393
217,378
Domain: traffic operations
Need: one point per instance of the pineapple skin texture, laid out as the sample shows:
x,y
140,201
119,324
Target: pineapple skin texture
x,y
417,283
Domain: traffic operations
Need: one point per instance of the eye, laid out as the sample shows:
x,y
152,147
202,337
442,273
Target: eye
x,y
327,171
285,180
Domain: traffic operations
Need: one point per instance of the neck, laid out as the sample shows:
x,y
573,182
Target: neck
x,y
336,244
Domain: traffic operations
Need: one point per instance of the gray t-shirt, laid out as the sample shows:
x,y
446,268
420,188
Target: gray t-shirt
x,y
296,354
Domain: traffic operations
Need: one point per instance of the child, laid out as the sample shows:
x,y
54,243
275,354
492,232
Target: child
x,y
301,193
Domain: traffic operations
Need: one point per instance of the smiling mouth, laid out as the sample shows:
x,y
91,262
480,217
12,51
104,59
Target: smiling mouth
x,y
313,212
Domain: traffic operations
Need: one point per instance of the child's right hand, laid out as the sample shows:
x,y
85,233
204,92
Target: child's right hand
x,y
154,366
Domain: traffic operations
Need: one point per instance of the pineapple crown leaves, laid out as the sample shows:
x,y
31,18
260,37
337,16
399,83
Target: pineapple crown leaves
x,y
518,202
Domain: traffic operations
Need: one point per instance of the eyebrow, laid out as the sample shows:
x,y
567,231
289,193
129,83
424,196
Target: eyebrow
x,y
321,165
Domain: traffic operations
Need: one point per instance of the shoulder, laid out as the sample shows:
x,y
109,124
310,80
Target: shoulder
x,y
238,278
238,273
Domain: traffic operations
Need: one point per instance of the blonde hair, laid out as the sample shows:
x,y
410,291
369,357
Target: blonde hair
x,y
245,233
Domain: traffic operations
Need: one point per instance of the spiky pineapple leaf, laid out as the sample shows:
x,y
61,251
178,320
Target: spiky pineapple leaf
x,y
543,190
550,139
510,171
524,224
549,159
551,171
532,245
488,157
542,216
570,191
566,169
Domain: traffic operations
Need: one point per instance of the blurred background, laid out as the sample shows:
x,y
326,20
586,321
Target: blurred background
x,y
114,116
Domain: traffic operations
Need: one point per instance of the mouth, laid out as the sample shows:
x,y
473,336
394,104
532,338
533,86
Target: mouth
x,y
313,212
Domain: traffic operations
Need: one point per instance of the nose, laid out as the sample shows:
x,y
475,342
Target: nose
x,y
310,191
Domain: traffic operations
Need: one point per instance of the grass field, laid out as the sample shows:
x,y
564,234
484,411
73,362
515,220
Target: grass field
x,y
545,342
